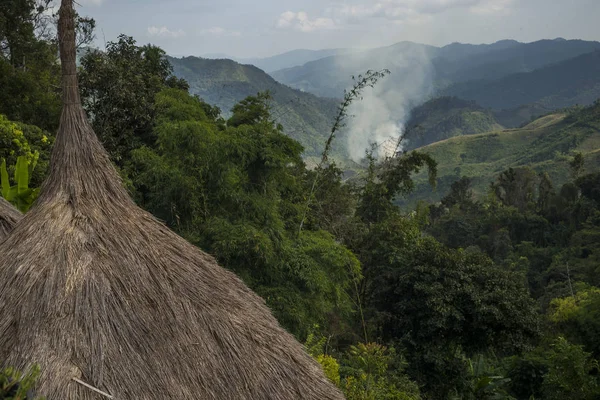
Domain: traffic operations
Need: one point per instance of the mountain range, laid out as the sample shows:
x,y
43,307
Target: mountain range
x,y
569,82
305,117
281,61
506,84
545,145
445,117
446,65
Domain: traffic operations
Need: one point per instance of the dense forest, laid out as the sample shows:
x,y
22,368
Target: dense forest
x,y
495,296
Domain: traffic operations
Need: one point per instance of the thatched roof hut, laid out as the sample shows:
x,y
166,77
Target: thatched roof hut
x,y
106,299
9,216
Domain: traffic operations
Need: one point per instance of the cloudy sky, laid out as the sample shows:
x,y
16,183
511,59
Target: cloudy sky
x,y
259,28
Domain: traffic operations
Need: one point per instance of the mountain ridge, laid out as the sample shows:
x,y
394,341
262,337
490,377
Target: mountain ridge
x,y
305,117
545,145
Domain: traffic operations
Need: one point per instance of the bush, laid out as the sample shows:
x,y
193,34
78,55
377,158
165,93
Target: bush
x,y
17,386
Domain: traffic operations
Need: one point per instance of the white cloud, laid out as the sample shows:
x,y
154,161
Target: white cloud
x,y
413,11
90,2
302,22
164,32
493,7
218,31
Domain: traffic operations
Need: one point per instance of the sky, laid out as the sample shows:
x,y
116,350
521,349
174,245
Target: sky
x,y
262,28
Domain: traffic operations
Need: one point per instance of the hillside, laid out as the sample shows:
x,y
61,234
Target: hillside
x,y
223,83
444,66
285,60
328,77
575,81
506,58
446,117
290,59
544,145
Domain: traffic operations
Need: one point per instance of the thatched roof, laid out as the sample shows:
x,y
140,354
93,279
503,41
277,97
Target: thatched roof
x,y
9,216
92,288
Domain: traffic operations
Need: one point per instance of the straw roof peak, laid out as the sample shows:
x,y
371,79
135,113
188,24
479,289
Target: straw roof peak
x,y
95,289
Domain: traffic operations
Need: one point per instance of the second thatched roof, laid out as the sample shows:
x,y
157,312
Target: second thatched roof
x,y
9,216
112,304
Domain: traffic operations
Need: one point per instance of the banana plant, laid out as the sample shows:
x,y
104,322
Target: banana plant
x,y
19,194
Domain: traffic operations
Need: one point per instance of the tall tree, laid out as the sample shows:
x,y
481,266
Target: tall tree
x,y
119,87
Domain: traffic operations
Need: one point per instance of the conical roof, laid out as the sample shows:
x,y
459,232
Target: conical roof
x,y
103,297
9,216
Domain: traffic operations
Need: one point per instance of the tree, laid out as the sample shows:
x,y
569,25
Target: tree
x,y
251,111
119,87
545,192
516,187
571,373
460,193
236,192
29,71
368,375
577,165
440,302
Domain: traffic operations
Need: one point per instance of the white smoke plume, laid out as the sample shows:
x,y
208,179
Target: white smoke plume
x,y
380,116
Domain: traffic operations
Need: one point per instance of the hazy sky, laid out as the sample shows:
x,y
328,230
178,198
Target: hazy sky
x,y
250,28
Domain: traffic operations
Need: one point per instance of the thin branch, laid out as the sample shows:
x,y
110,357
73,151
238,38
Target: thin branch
x,y
93,388
369,79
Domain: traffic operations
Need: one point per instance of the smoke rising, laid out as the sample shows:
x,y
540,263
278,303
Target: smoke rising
x,y
379,118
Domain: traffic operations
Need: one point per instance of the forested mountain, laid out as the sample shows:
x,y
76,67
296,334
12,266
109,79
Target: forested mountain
x,y
518,80
328,77
570,82
546,145
224,83
506,58
447,65
290,59
446,117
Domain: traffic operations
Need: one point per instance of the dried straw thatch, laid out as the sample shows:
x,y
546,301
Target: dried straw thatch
x,y
98,292
9,216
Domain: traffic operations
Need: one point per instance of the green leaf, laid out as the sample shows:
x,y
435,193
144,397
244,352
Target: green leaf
x,y
22,175
4,178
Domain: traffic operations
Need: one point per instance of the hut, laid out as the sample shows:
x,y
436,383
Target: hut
x,y
9,216
112,304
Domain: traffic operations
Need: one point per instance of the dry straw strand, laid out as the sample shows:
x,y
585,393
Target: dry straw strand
x,y
9,216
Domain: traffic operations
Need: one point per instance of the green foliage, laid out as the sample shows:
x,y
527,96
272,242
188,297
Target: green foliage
x,y
236,192
119,88
20,195
17,386
225,83
484,382
446,284
516,187
446,117
445,298
29,71
557,369
578,317
577,164
389,180
251,111
481,157
29,141
540,86
572,374
316,346
368,375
